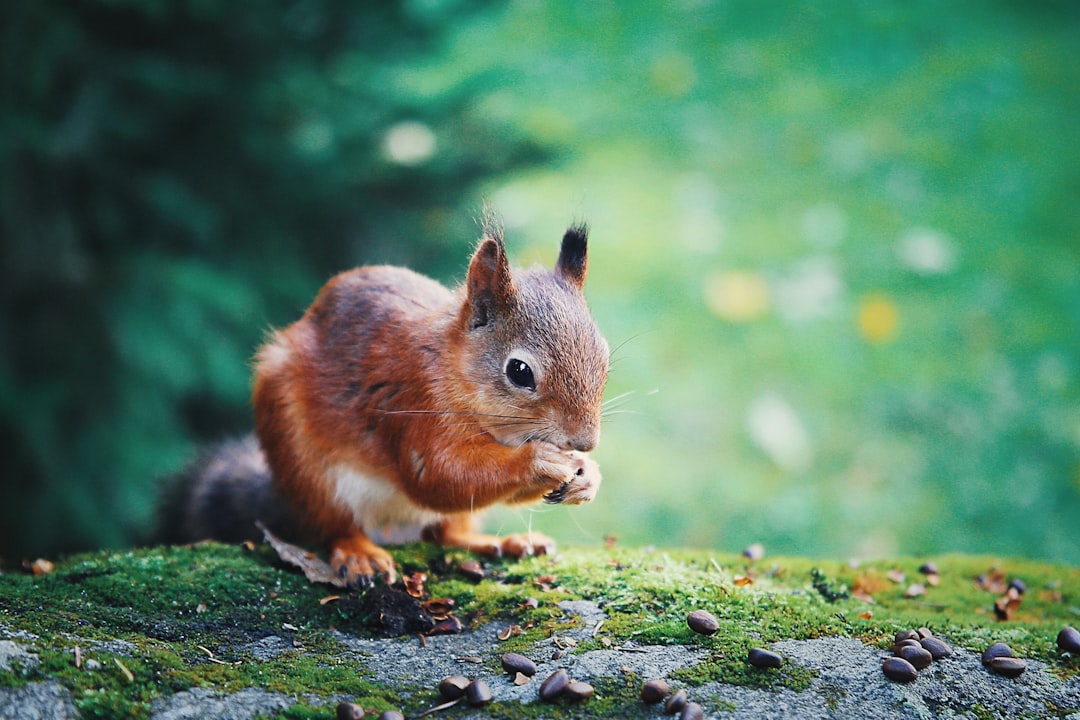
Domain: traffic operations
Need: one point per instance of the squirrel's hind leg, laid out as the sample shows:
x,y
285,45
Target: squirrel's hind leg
x,y
460,531
357,559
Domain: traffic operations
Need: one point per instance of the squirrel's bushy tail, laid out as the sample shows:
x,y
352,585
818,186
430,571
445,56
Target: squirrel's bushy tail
x,y
220,495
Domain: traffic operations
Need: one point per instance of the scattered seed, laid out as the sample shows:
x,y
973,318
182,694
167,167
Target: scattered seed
x,y
928,568
1069,639
349,711
530,603
938,648
1018,585
919,657
903,644
1008,666
471,570
899,669
995,651
675,703
906,635
692,711
453,687
554,686
478,693
915,590
516,663
924,632
654,691
391,715
702,622
761,658
579,690
447,626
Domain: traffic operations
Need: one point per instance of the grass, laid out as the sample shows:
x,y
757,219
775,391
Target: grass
x,y
187,617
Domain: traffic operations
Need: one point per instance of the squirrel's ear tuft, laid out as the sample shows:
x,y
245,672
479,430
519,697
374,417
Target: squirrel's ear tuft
x,y
573,257
489,283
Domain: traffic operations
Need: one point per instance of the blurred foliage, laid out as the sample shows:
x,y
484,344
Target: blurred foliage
x,y
177,177
839,240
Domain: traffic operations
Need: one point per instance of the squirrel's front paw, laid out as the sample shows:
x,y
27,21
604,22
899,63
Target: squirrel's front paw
x,y
582,485
358,560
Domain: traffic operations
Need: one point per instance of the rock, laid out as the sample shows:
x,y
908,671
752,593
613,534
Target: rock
x,y
37,701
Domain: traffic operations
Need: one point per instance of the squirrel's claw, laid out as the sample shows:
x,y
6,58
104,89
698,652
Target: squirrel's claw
x,y
357,560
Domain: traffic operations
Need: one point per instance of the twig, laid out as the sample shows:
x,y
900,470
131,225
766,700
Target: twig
x,y
437,708
123,669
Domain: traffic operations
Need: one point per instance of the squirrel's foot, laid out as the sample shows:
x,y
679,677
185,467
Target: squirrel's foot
x,y
525,544
519,545
582,486
357,560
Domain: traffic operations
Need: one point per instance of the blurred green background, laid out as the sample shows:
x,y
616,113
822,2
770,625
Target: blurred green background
x,y
836,245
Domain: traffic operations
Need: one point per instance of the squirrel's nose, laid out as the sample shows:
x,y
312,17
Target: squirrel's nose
x,y
584,441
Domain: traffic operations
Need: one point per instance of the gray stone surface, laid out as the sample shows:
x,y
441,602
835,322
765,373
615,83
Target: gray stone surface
x,y
37,701
204,704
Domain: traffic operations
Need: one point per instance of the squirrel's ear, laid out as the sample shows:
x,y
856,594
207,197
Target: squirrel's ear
x,y
573,257
489,282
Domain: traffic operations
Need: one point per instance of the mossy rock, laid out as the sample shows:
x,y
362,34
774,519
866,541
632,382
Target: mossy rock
x,y
232,632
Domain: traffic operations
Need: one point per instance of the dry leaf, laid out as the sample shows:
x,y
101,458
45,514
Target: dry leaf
x,y
414,584
896,575
314,569
743,580
521,679
868,615
329,599
510,632
915,590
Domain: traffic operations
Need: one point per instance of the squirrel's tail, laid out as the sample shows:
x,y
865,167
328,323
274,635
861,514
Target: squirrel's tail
x,y
221,495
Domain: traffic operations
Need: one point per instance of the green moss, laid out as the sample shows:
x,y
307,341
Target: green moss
x,y
189,612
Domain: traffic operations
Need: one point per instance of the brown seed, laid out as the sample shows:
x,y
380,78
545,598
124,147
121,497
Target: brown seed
x,y
478,693
349,711
447,626
692,711
515,663
702,622
654,691
761,658
578,690
924,632
1008,666
899,669
906,635
675,703
903,644
938,648
453,687
928,568
471,570
995,651
919,657
1069,639
554,686
754,552
391,715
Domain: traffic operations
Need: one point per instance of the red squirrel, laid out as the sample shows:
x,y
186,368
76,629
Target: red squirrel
x,y
395,401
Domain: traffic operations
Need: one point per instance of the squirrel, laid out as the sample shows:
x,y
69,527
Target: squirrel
x,y
395,401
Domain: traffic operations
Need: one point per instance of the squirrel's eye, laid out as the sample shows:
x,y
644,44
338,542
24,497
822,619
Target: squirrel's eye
x,y
520,374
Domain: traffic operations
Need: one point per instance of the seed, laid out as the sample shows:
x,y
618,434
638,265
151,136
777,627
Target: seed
x,y
761,658
578,690
919,657
349,711
995,651
1008,666
702,622
923,632
1069,639
391,715
903,644
906,635
654,691
447,626
899,669
515,663
675,703
554,686
1018,585
692,711
478,693
471,570
453,687
938,649
928,568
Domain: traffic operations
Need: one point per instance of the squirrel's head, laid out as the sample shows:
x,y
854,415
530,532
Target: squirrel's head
x,y
536,362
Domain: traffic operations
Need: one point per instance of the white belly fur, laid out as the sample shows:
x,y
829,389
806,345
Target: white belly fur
x,y
377,506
